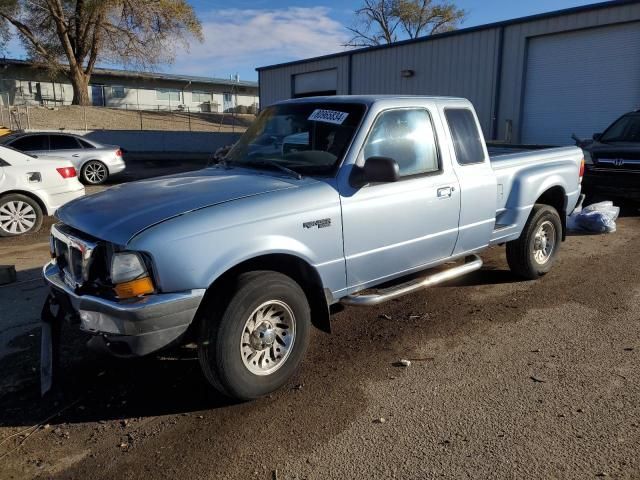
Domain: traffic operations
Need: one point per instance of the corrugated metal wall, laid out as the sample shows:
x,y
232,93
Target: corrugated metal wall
x,y
462,66
276,84
466,64
516,40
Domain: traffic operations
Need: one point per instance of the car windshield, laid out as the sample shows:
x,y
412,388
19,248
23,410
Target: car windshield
x,y
625,129
305,138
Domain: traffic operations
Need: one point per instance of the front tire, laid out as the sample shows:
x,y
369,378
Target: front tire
x,y
533,254
94,172
258,341
19,214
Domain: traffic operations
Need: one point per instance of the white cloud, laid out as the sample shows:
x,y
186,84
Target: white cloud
x,y
240,40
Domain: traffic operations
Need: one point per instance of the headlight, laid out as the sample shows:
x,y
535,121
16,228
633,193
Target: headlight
x,y
129,275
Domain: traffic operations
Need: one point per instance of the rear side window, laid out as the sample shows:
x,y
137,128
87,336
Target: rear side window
x,y
4,163
84,143
30,143
62,142
465,135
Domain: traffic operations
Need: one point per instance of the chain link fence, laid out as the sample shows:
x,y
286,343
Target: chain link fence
x,y
26,117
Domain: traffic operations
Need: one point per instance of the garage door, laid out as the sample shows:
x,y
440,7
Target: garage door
x,y
580,82
323,82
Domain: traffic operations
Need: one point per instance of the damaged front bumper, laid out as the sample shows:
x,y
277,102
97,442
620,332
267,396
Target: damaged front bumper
x,y
128,328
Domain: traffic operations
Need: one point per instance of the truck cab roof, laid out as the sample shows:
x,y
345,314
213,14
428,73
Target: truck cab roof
x,y
371,99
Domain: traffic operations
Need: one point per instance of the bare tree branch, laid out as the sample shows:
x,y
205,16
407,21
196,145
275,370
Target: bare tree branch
x,y
380,20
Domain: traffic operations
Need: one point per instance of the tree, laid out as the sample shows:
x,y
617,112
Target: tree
x,y
387,21
70,36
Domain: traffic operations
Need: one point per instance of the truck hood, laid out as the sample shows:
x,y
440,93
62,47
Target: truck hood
x,y
122,211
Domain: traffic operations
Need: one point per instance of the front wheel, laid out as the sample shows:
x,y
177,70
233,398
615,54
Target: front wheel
x,y
533,254
258,342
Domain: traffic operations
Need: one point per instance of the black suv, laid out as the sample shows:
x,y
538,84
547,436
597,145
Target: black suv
x,y
613,159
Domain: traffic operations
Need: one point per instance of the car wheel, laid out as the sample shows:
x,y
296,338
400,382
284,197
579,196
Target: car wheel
x,y
533,254
94,172
257,342
19,214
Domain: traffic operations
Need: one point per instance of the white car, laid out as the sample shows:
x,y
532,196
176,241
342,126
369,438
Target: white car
x,y
31,188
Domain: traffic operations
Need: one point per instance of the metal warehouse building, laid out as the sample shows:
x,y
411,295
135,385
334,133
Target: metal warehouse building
x,y
533,80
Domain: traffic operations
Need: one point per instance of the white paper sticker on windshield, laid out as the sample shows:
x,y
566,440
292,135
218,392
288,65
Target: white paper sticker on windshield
x,y
328,116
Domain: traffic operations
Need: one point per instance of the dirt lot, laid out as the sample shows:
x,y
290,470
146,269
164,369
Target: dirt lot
x,y
508,379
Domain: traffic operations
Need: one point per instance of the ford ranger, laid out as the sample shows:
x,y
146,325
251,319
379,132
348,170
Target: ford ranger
x,y
323,201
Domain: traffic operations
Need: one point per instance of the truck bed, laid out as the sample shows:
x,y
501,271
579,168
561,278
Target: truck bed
x,y
541,166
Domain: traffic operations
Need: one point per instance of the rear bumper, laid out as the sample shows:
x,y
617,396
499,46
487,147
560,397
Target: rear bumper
x,y
116,166
56,200
129,328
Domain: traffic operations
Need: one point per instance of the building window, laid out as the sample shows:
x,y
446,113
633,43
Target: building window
x,y
169,94
118,91
200,97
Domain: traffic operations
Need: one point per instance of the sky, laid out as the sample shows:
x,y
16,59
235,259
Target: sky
x,y
241,35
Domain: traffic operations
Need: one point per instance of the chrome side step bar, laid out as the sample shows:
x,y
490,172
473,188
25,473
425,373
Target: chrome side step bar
x,y
472,263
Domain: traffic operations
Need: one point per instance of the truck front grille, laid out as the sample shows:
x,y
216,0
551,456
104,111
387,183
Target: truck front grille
x,y
73,255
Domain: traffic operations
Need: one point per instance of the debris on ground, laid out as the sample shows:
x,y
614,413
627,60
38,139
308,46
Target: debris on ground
x,y
384,316
403,363
379,420
596,218
537,380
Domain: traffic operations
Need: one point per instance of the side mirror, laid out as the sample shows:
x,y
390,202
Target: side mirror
x,y
376,170
597,136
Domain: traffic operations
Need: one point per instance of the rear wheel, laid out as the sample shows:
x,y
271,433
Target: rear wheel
x,y
533,254
94,172
19,214
258,341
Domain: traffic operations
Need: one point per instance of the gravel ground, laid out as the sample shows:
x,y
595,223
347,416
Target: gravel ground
x,y
508,379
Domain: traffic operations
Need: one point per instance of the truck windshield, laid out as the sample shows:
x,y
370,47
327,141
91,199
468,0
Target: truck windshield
x,y
308,138
625,129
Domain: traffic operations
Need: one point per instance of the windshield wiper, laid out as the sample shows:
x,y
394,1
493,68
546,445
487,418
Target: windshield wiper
x,y
271,163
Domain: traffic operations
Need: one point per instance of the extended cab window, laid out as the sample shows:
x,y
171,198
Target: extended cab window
x,y
31,143
407,137
465,135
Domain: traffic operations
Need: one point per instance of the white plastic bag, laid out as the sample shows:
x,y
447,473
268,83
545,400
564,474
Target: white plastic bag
x,y
598,218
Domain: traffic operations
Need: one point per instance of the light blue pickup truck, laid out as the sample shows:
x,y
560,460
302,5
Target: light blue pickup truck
x,y
320,202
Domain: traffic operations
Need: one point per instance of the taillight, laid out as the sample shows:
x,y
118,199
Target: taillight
x,y
67,172
581,174
118,153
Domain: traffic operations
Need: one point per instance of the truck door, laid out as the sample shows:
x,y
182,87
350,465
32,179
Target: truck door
x,y
394,228
478,200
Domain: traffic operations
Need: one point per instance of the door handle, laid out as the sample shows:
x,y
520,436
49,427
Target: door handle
x,y
445,192
75,155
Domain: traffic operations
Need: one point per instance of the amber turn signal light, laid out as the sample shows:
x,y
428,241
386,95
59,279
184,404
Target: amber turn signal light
x,y
134,288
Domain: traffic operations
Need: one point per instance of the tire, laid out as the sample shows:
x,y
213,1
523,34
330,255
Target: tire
x,y
244,353
533,254
94,172
19,215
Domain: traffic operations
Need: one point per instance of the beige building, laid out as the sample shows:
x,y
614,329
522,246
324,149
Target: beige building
x,y
22,83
